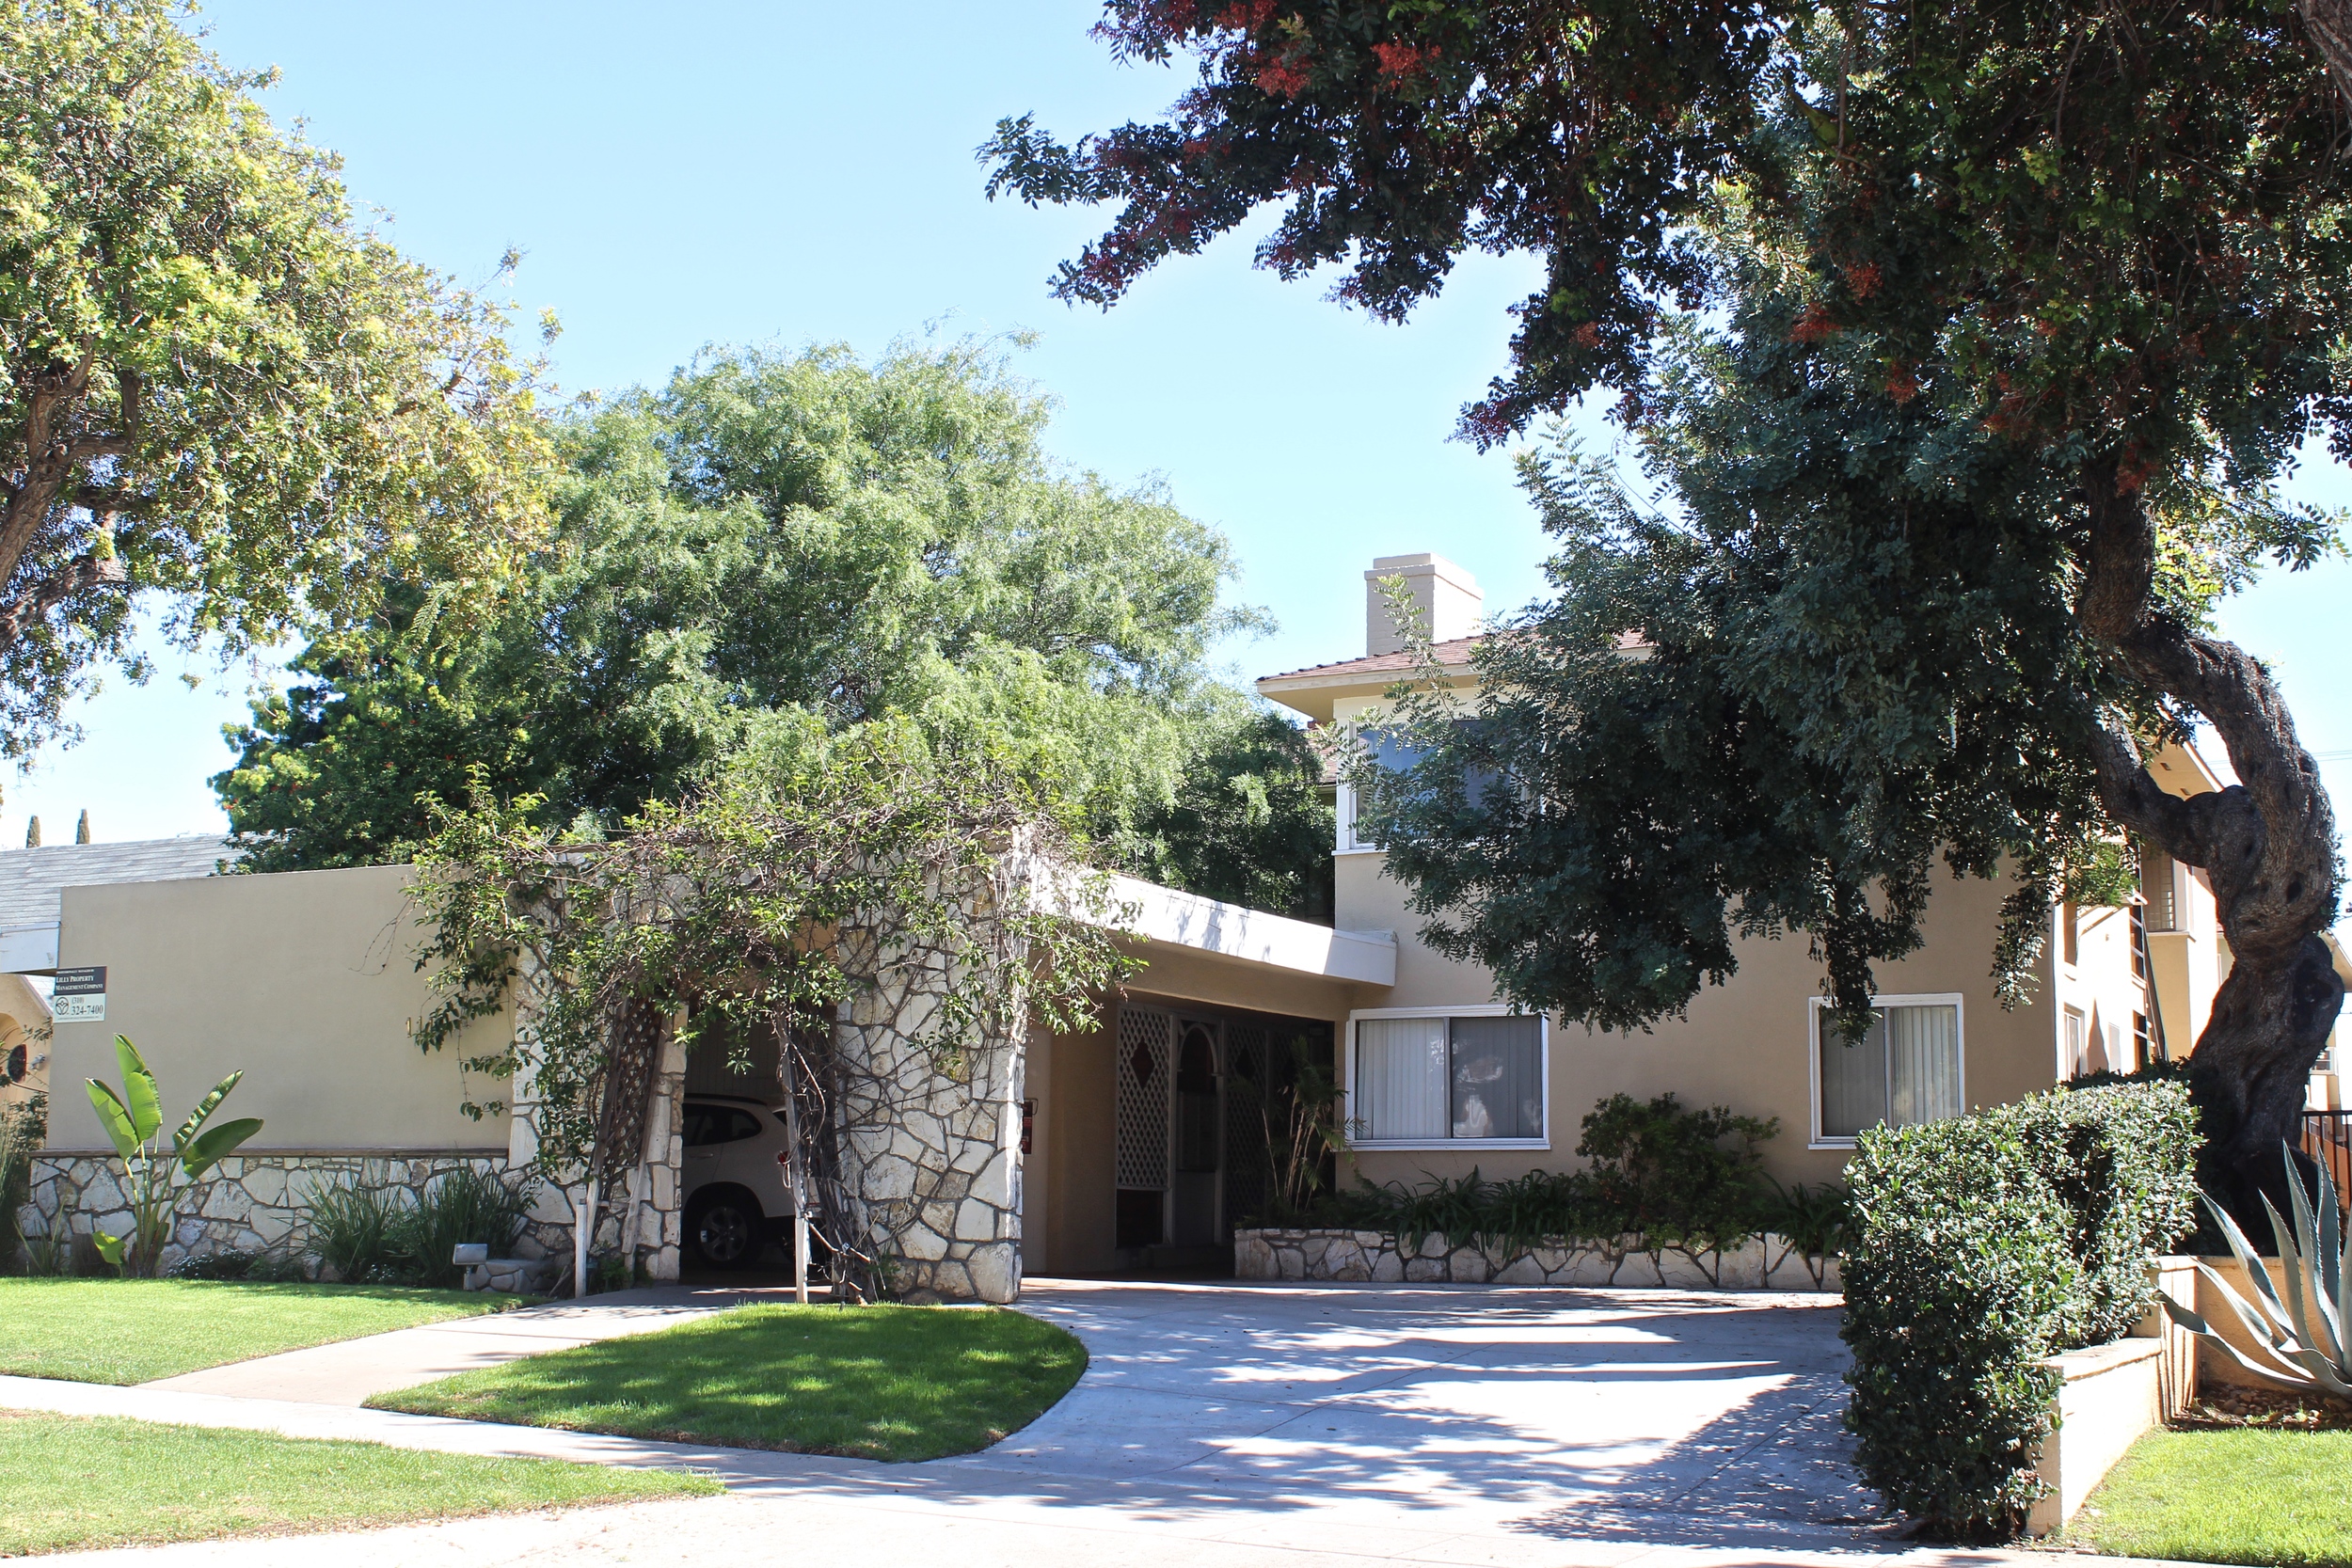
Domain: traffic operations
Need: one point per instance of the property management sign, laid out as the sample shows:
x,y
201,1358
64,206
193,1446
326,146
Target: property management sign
x,y
79,995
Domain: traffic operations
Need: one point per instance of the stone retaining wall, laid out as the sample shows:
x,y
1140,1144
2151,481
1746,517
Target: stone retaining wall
x,y
248,1202
1764,1264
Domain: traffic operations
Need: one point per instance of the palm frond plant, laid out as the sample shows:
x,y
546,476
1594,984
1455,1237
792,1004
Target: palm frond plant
x,y
2301,1333
134,1119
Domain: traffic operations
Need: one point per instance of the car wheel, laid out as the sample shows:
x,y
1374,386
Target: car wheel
x,y
725,1233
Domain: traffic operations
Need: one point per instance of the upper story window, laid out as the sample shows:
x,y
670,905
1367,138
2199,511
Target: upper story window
x,y
1447,1079
1908,1069
1395,754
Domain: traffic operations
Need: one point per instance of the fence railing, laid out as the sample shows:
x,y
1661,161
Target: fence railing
x,y
2327,1138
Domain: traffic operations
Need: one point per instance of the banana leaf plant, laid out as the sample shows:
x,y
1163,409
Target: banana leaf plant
x,y
2301,1335
134,1119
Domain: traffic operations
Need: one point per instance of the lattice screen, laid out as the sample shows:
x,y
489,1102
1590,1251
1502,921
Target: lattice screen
x,y
1247,1074
627,1090
1146,1038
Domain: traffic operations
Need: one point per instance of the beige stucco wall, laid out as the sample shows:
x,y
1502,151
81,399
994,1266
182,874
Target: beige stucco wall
x,y
1746,1045
1074,1229
306,980
23,1020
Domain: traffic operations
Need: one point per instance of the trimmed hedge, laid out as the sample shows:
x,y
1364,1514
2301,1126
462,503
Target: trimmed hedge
x,y
1978,1248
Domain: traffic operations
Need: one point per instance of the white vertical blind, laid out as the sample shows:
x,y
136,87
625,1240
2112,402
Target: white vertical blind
x,y
1401,1078
1922,1064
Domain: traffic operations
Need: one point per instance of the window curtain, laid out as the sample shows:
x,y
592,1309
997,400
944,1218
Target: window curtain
x,y
1401,1078
1497,1078
1922,1064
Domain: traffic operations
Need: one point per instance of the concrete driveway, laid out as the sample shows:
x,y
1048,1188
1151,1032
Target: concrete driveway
x,y
1262,1426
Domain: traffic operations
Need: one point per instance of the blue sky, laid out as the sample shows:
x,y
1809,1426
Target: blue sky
x,y
787,173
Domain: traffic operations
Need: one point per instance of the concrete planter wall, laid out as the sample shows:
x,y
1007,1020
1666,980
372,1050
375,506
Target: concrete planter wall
x,y
1763,1263
2111,1395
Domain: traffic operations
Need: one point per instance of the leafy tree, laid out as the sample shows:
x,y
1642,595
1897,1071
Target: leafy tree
x,y
2024,308
773,532
217,385
1251,821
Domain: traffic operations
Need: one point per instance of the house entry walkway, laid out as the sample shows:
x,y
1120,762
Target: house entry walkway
x,y
1250,1426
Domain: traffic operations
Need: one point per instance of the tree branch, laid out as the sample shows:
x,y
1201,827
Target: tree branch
x,y
81,574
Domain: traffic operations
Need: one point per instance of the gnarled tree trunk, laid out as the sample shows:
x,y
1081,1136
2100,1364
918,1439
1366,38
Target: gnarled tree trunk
x,y
2269,842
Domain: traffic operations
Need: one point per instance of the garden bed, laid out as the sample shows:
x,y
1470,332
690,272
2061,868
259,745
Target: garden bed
x,y
79,1483
897,1383
138,1330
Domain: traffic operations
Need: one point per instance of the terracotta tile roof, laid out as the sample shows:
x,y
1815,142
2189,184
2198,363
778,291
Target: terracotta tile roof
x,y
1454,652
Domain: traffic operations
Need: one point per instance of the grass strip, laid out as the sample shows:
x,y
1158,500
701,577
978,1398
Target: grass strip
x,y
2247,1496
897,1383
82,1482
137,1330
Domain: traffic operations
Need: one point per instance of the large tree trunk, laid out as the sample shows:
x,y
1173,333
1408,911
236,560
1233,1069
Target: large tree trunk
x,y
2268,843
2329,24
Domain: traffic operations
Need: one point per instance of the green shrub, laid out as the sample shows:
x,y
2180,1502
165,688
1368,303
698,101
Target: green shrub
x,y
349,1230
1976,1249
461,1205
21,1127
2123,1159
1678,1180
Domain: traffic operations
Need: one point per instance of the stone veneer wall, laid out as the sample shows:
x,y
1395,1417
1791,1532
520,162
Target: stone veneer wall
x,y
1762,1263
248,1202
930,1145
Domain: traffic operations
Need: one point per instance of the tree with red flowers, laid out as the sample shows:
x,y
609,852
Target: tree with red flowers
x,y
1971,341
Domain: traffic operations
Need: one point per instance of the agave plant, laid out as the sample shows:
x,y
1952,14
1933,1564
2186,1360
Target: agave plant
x,y
2303,1336
132,1118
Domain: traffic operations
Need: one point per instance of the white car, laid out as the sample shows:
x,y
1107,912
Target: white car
x,y
738,1197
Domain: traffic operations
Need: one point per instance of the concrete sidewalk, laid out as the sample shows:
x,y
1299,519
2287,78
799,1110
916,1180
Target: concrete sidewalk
x,y
351,1371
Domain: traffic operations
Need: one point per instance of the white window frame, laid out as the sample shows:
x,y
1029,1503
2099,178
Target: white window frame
x,y
1347,844
1468,1009
1818,1007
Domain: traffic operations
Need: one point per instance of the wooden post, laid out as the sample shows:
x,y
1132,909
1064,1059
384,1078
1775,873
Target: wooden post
x,y
799,1188
583,1221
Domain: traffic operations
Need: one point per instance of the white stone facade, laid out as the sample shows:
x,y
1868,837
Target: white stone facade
x,y
1762,1263
930,1143
246,1203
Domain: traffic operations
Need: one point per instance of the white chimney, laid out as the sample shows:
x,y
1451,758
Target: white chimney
x,y
1444,597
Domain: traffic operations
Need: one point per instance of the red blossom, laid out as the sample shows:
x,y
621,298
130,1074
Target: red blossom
x,y
1281,80
1900,383
1248,16
1863,279
1813,325
1400,60
1586,335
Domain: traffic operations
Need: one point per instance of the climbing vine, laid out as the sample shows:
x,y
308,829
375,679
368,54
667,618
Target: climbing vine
x,y
814,874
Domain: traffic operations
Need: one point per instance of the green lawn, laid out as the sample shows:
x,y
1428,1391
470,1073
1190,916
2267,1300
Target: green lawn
x,y
76,1482
137,1330
2242,1495
872,1382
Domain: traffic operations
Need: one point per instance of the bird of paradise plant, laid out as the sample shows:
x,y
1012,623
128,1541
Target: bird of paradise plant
x,y
150,1173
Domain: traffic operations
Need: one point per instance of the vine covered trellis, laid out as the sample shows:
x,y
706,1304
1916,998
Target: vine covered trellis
x,y
894,911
